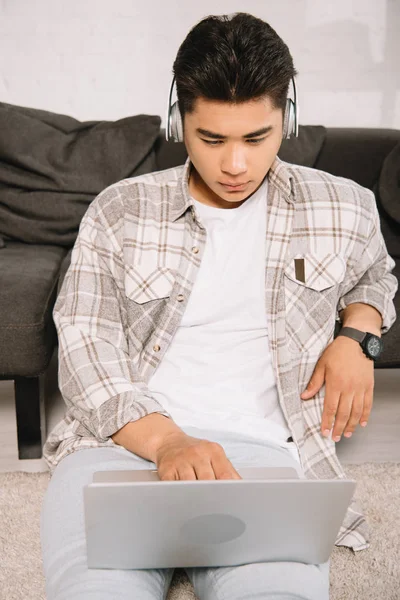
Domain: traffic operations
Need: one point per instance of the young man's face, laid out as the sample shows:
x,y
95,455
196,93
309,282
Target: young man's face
x,y
233,159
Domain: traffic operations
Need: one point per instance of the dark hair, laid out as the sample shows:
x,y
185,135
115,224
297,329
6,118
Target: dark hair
x,y
233,59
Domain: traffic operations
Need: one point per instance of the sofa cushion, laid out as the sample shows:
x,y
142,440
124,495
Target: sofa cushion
x,y
303,150
390,229
28,275
356,153
52,166
389,184
63,269
387,194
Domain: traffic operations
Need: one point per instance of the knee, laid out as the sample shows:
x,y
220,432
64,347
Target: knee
x,y
302,581
289,580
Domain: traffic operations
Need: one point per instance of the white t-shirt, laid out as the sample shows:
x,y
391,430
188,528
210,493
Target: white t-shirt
x,y
217,372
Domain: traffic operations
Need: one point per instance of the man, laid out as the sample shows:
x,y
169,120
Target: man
x,y
202,300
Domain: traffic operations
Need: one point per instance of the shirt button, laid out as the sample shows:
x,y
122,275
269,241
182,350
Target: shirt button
x,y
156,348
195,249
180,298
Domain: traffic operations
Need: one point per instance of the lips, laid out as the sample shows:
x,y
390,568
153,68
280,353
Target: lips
x,y
235,187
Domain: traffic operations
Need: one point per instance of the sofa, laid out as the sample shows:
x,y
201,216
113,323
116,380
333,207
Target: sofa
x,y
52,166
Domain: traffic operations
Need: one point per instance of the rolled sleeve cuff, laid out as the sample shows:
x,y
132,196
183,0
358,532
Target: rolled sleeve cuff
x,y
375,298
119,410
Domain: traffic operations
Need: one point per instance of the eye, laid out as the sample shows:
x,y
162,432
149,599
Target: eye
x,y
251,141
211,143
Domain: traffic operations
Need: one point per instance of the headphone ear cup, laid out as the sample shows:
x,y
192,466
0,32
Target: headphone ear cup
x,y
285,121
289,121
179,125
176,123
173,122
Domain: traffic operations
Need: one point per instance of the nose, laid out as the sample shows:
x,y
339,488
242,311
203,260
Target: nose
x,y
234,161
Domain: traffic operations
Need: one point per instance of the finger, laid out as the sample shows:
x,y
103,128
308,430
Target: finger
x,y
342,415
222,466
368,401
204,470
356,412
235,474
168,475
186,472
331,402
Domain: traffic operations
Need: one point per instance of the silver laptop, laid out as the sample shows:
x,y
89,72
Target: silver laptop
x,y
133,520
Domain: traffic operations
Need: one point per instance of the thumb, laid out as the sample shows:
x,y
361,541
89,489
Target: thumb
x,y
315,383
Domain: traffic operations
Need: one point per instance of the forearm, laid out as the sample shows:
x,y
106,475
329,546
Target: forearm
x,y
144,436
362,316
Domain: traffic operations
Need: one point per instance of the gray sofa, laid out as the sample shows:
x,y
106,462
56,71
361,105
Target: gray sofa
x,y
48,180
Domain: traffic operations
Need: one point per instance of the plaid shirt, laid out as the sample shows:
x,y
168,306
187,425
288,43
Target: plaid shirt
x,y
133,267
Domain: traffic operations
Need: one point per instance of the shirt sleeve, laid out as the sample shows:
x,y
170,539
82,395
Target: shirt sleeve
x,y
97,378
370,277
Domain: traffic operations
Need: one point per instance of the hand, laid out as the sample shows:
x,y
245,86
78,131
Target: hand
x,y
182,457
349,379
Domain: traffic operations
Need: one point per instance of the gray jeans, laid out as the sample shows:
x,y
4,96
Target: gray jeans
x,y
62,534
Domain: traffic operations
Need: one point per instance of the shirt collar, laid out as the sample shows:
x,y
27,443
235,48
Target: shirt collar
x,y
278,175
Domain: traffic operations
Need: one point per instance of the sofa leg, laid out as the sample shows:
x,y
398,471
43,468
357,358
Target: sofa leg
x,y
29,405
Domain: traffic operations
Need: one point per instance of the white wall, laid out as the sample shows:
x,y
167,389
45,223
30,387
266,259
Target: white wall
x,y
102,59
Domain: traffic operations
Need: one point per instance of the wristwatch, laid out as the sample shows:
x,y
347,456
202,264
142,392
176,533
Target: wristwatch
x,y
371,344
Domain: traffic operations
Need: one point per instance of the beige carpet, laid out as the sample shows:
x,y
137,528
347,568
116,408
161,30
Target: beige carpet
x,y
366,575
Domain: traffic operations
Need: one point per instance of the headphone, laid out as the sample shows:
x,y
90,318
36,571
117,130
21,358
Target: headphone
x,y
174,128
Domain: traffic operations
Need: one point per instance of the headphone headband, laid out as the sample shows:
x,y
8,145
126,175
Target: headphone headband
x,y
174,125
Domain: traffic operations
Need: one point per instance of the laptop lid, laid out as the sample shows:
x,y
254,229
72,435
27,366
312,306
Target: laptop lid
x,y
162,524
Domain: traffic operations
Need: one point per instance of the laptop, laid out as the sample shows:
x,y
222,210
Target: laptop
x,y
134,520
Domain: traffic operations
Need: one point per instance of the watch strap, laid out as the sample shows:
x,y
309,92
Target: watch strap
x,y
353,333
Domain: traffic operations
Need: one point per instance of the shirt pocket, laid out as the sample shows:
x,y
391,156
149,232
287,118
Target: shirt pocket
x,y
312,286
320,272
147,282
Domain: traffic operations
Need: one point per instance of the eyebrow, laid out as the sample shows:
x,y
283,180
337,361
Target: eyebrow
x,y
218,136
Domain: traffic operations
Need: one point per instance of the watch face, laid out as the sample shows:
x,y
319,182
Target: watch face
x,y
374,346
